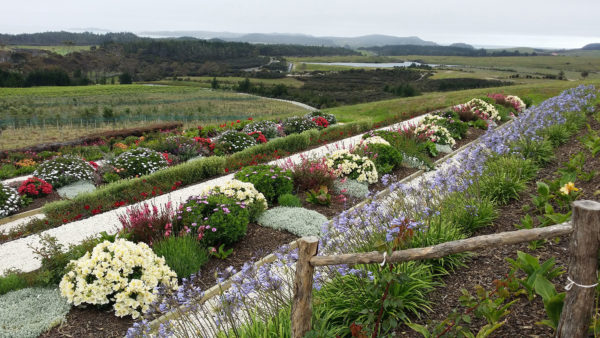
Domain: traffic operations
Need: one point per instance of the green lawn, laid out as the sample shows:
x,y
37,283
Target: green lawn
x,y
62,50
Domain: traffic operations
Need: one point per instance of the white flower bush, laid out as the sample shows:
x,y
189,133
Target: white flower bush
x,y
233,141
64,170
346,164
243,192
122,272
434,133
516,102
483,110
375,140
266,127
138,162
9,200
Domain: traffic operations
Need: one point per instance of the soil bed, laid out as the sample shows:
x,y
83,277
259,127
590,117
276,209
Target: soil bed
x,y
486,266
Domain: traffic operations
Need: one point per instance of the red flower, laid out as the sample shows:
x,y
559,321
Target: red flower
x,y
321,121
226,170
237,121
250,119
34,187
86,207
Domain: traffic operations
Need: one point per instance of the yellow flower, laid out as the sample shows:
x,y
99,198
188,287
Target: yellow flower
x,y
567,188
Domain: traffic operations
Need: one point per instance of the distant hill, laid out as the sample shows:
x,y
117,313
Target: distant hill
x,y
65,38
298,39
591,46
462,45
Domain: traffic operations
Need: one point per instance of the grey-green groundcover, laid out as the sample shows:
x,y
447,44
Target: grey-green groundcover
x,y
299,221
29,312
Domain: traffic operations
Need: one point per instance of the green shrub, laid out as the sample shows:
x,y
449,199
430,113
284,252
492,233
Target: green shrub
x,y
233,141
138,162
386,158
266,127
216,219
557,134
271,181
481,124
289,200
469,213
505,177
8,171
540,152
89,153
183,147
183,254
439,231
12,281
413,154
299,221
456,127
30,312
64,170
357,299
297,124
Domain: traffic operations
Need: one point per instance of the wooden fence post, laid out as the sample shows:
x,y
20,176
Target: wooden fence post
x,y
303,283
579,301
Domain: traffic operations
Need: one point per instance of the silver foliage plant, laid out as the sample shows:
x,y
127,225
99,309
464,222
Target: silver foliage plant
x,y
299,221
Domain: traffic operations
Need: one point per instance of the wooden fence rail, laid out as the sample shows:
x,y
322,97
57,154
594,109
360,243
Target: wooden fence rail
x,y
577,311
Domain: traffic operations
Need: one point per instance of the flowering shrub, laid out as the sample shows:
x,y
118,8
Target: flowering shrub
x,y
481,109
214,218
122,272
310,174
233,141
267,128
516,102
375,140
435,134
385,157
321,122
297,124
258,137
26,162
329,117
138,162
35,187
9,200
456,127
206,145
183,147
147,223
64,170
241,192
271,181
352,166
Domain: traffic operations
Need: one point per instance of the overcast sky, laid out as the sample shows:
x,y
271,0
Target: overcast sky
x,y
537,23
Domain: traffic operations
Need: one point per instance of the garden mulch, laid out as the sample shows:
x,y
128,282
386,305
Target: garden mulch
x,y
489,265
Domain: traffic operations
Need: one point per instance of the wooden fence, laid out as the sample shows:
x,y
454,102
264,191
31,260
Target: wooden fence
x,y
579,301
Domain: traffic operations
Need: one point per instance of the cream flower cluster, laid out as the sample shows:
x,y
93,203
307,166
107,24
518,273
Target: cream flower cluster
x,y
244,192
375,140
122,272
346,164
434,133
9,200
483,110
516,102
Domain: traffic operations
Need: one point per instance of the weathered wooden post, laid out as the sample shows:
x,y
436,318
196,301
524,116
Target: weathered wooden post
x,y
579,301
303,283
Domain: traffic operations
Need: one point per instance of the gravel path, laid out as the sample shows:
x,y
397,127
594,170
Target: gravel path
x,y
18,254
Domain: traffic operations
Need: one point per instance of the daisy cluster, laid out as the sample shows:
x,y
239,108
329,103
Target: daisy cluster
x,y
9,200
123,273
434,133
243,192
346,164
375,140
64,170
516,102
138,162
483,110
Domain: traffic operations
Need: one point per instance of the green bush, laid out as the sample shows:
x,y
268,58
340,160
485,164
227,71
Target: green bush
x,y
505,177
233,141
183,147
138,162
439,231
297,124
271,181
12,282
411,149
481,124
469,213
89,153
30,312
216,219
386,158
557,134
183,254
540,152
289,200
64,170
8,171
299,221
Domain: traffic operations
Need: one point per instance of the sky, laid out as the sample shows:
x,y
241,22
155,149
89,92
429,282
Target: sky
x,y
533,23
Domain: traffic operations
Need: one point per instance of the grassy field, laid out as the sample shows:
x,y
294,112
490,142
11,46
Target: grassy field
x,y
62,50
229,81
48,114
378,111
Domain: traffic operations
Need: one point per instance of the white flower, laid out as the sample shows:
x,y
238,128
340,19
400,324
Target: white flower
x,y
375,140
346,164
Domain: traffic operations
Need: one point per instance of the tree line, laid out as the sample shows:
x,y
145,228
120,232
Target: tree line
x,y
391,50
